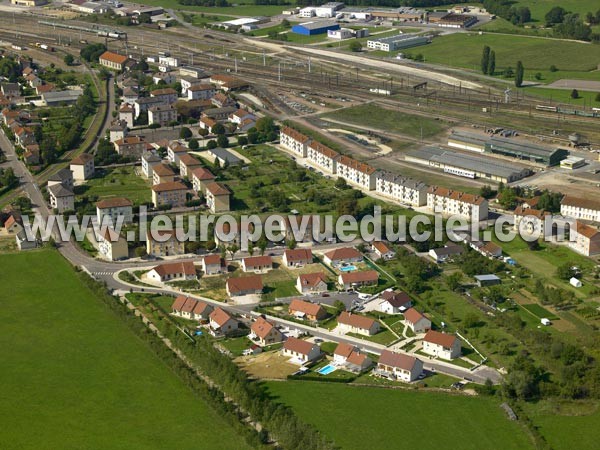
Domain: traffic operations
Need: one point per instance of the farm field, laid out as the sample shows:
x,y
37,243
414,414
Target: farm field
x,y
384,119
353,416
242,8
74,376
539,8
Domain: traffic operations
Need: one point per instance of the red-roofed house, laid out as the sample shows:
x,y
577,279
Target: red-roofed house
x,y
416,321
172,193
213,265
83,166
264,332
257,264
585,239
190,308
173,271
311,283
217,197
306,310
200,178
297,257
394,302
398,366
342,255
113,60
221,323
441,345
350,358
294,140
348,280
299,351
382,250
355,323
244,286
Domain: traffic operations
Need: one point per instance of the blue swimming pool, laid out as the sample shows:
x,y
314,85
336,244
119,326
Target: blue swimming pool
x,y
326,370
347,268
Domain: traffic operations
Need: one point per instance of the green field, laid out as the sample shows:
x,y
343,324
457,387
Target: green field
x,y
539,8
375,418
244,8
539,311
121,182
73,375
370,115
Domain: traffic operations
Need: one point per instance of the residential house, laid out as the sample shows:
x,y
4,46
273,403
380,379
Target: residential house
x,y
449,202
322,156
162,173
199,91
221,100
240,116
112,246
31,156
189,82
63,177
443,254
113,60
187,163
83,167
126,112
580,208
294,140
257,263
190,308
306,310
213,265
416,321
221,323
394,302
175,150
23,243
200,178
61,198
382,250
264,332
356,173
350,358
399,366
12,225
217,197
342,255
355,323
311,283
251,285
530,220
219,114
165,77
224,156
132,146
206,123
441,345
172,193
166,243
166,95
173,271
353,280
24,136
117,130
162,115
584,239
143,104
149,160
297,257
299,351
114,208
10,89
491,250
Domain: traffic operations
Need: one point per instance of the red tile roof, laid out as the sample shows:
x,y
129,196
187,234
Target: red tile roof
x,y
355,320
396,299
82,159
343,253
357,165
298,345
261,327
323,149
258,261
443,339
203,174
212,259
113,57
217,189
169,186
413,316
343,349
398,360
186,268
312,279
296,135
219,316
298,254
359,277
115,202
310,309
241,284
585,203
456,195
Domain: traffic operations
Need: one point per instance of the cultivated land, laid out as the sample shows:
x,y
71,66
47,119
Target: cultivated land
x,y
78,377
352,415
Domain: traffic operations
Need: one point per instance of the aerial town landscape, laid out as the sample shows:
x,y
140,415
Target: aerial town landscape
x,y
231,224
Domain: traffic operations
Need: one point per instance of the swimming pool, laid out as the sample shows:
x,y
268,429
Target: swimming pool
x,y
347,268
327,369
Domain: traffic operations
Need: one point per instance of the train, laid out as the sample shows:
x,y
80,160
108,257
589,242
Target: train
x,y
44,47
595,112
112,34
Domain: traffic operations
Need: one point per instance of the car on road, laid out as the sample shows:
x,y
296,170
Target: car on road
x,y
318,340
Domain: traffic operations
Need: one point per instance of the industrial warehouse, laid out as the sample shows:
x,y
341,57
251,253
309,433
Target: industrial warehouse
x,y
312,28
393,43
468,166
505,146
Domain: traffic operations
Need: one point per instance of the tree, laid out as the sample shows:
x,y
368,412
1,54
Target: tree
x,y
487,191
340,183
519,74
193,144
285,23
218,129
492,63
291,243
555,15
242,140
262,244
185,133
69,59
564,271
211,144
222,141
140,251
144,18
553,68
509,72
233,249
265,125
574,94
485,59
355,46
251,248
538,76
453,281
203,132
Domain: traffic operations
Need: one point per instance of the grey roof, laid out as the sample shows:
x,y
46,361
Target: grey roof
x,y
225,155
149,100
318,24
58,190
402,38
61,175
150,157
449,250
475,162
469,138
10,86
520,147
68,95
487,277
399,179
223,110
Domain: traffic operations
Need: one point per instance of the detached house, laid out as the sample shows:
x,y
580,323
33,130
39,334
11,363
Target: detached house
x,y
306,310
217,197
149,160
63,177
200,178
187,163
251,285
264,332
213,265
294,140
416,321
166,244
221,323
342,255
173,271
349,280
441,345
382,250
172,193
174,151
257,263
61,198
199,91
297,257
126,113
350,358
162,173
398,366
166,95
355,323
112,245
162,114
311,283
299,351
83,167
132,146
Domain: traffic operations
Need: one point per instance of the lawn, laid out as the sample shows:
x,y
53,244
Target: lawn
x,y
384,337
539,311
586,98
539,8
74,376
121,182
370,115
360,417
242,8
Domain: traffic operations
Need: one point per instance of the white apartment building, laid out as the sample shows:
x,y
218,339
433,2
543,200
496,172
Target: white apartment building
x,y
322,156
449,202
580,208
294,140
403,190
355,172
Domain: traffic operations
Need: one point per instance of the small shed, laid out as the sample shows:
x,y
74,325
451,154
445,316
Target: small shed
x,y
545,321
575,282
487,280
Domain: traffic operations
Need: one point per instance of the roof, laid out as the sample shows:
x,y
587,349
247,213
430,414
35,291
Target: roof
x,y
82,159
199,86
451,249
343,349
203,174
491,247
396,299
359,277
189,160
356,358
58,190
317,25
251,283
323,149
443,339
162,170
186,267
586,203
398,360
217,189
61,175
413,316
298,254
261,327
226,155
381,247
160,233
169,186
110,235
456,195
296,135
520,146
523,212
10,221
356,320
298,345
165,91
150,157
586,230
310,309
312,279
357,165
219,316
343,253
254,261
115,202
113,57
487,277
212,259
129,140
126,107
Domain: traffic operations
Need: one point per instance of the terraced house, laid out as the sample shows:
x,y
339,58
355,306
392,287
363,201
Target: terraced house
x,y
450,202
